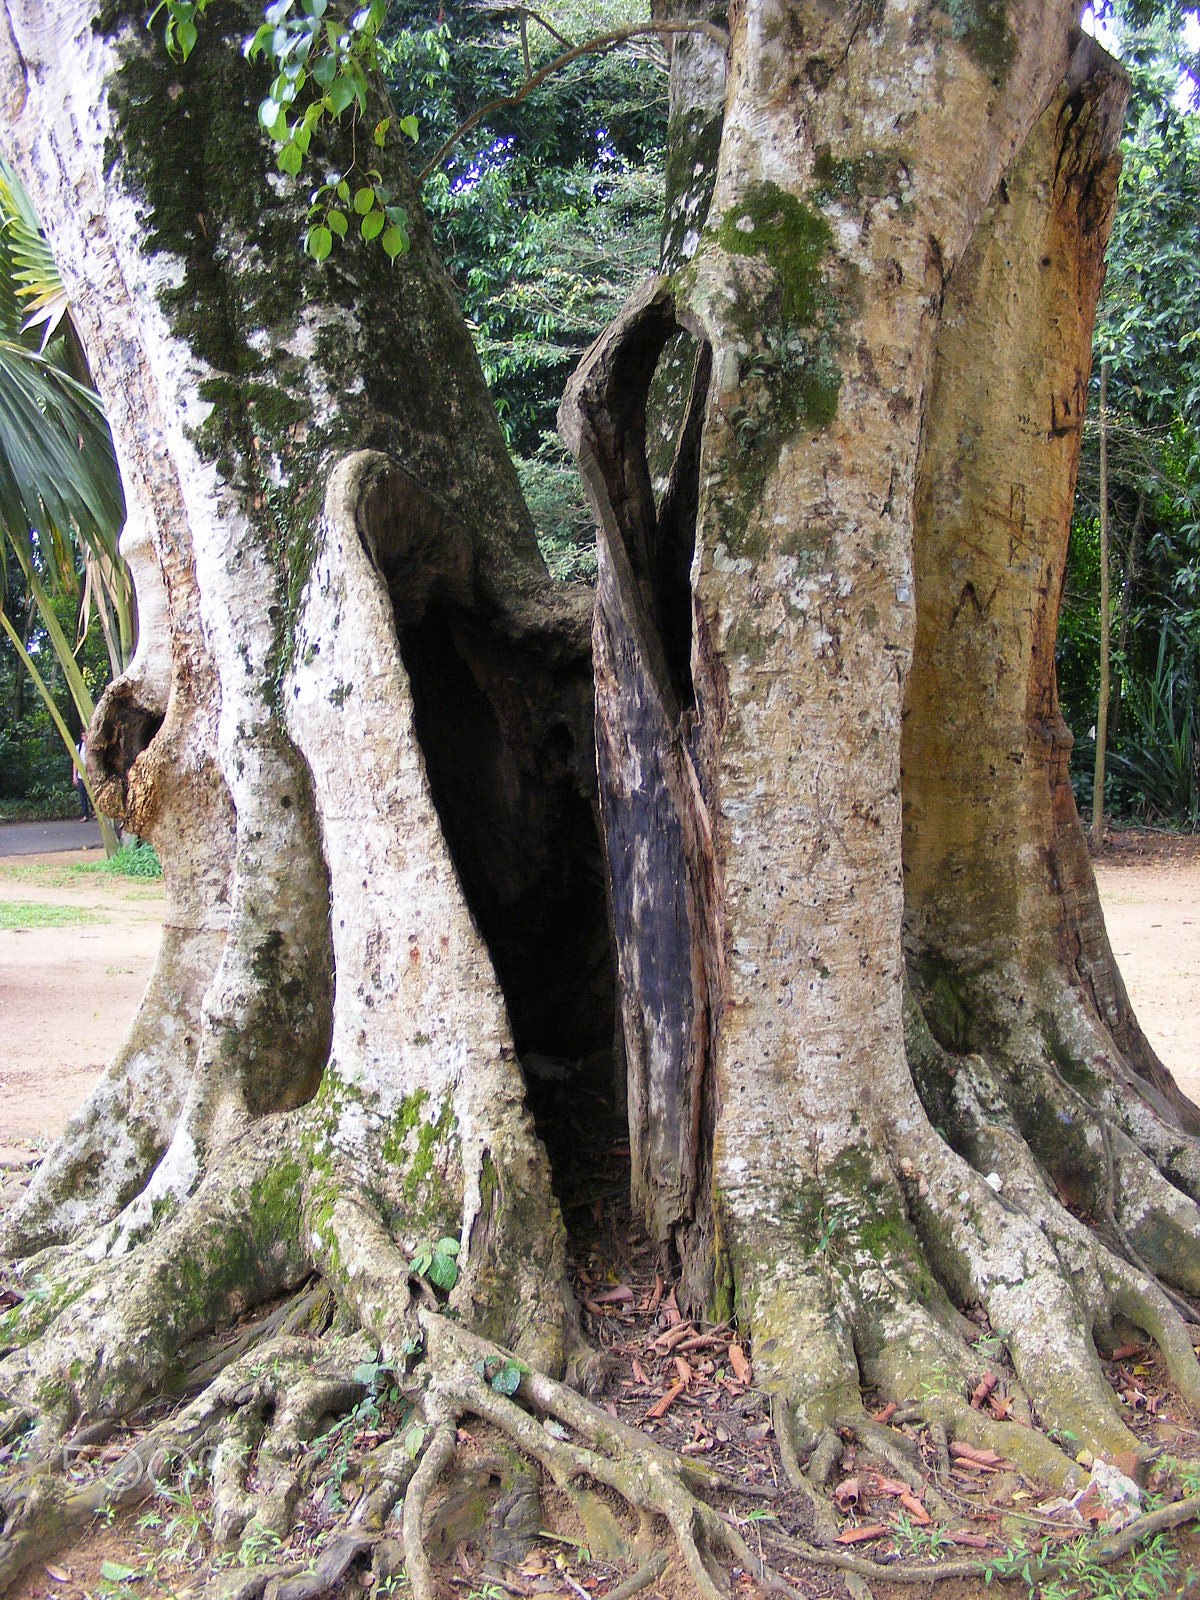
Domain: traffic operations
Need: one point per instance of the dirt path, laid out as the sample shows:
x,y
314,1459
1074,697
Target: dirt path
x,y
67,992
1150,889
76,949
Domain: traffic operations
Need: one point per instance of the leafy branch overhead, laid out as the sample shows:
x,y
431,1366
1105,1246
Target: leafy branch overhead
x,y
312,46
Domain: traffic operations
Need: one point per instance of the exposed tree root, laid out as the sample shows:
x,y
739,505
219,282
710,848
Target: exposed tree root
x,y
294,1580
899,1247
276,1394
119,1328
43,1511
1104,1551
436,1458
649,1572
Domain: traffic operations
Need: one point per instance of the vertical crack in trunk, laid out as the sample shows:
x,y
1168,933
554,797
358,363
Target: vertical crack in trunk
x,y
657,831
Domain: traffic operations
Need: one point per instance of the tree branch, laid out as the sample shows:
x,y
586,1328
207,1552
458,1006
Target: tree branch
x,y
599,44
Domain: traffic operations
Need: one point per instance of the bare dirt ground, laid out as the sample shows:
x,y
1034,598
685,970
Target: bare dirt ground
x,y
67,991
1150,888
66,995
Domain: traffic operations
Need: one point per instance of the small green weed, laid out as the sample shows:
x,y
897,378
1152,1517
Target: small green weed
x,y
136,860
24,914
931,1541
1072,1572
258,1546
438,1263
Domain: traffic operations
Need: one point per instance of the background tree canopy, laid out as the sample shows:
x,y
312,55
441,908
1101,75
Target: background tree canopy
x,y
547,214
1147,331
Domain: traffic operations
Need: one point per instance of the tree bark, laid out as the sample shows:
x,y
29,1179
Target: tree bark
x,y
359,730
752,797
330,551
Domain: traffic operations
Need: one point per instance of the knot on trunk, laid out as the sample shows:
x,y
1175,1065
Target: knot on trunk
x,y
121,730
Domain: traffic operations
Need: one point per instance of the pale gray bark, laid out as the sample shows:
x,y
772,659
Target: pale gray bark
x,y
264,738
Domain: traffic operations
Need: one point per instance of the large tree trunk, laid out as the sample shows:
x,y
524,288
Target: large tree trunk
x,y
359,731
857,285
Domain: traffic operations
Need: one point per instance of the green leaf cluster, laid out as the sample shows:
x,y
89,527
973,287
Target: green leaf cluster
x,y
547,214
504,1375
438,1263
61,504
323,58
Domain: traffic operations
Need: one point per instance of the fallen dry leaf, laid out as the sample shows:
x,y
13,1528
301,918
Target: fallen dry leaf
x,y
684,1372
987,1459
872,1530
621,1295
986,1384
58,1574
740,1364
666,1342
847,1493
915,1509
661,1407
706,1341
639,1374
888,1412
878,1484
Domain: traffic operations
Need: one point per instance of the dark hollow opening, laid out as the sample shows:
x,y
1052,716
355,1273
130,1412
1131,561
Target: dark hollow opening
x,y
674,540
501,729
125,730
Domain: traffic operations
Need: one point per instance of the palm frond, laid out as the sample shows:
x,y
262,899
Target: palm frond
x,y
34,276
61,504
57,466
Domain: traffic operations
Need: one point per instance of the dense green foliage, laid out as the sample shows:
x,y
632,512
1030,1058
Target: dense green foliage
x,y
35,771
547,213
67,611
1148,330
135,859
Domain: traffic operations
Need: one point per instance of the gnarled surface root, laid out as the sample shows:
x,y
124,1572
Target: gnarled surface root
x,y
279,1389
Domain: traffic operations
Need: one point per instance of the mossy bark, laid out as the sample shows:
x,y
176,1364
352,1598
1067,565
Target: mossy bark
x,y
829,288
325,528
